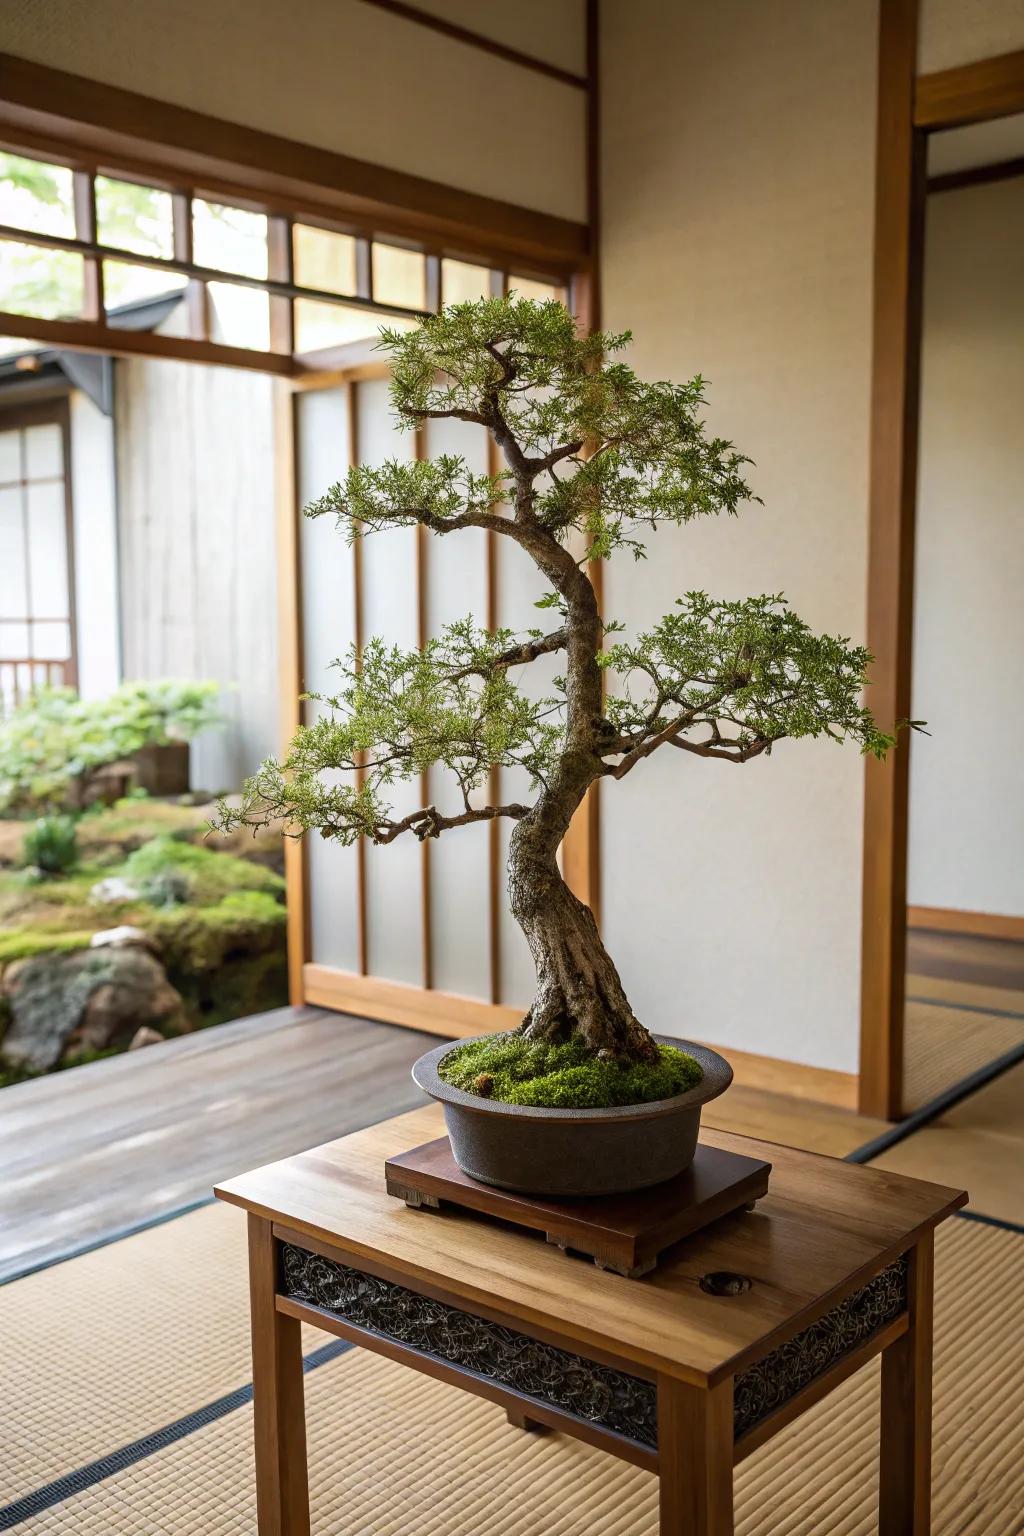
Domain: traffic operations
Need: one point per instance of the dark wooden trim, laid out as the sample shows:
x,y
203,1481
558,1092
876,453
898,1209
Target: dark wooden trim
x,y
976,175
970,93
899,220
479,40
102,126
87,336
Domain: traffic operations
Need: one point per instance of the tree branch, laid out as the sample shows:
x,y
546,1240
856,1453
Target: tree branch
x,y
429,821
516,655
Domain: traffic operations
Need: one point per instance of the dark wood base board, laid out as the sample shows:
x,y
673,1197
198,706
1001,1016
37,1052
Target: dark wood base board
x,y
624,1233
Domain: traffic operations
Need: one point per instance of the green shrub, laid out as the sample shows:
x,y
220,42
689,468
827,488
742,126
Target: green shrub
x,y
169,872
55,738
51,844
564,1075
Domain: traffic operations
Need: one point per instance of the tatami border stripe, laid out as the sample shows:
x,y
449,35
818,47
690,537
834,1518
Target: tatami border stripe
x,y
946,1002
937,1106
137,1450
144,1225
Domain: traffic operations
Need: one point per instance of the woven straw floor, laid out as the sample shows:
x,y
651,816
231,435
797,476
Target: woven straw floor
x,y
944,1044
112,1346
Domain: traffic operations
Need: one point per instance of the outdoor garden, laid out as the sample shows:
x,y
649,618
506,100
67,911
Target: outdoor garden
x,y
123,919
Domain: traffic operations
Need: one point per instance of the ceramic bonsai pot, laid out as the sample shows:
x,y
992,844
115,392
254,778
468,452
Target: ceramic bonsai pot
x,y
573,1152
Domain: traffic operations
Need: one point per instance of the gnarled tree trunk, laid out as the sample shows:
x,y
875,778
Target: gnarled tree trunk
x,y
578,987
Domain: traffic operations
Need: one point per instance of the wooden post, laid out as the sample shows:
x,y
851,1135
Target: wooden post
x,y
279,1419
905,1467
695,1455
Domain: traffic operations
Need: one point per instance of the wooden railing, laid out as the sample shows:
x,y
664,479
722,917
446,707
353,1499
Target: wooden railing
x,y
20,677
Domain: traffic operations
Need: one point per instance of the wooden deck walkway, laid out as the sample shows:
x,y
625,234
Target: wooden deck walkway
x,y
91,1151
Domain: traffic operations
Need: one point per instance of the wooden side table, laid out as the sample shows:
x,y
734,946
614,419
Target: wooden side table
x,y
740,1329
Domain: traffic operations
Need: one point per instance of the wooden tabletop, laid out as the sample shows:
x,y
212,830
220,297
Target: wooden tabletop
x,y
823,1228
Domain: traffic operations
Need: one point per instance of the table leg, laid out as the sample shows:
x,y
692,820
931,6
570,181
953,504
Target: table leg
x,y
279,1417
905,1467
695,1454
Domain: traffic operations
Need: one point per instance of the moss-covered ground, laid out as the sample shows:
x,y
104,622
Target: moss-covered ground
x,y
213,906
563,1075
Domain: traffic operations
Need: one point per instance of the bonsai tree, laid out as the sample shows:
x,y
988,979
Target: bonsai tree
x,y
594,457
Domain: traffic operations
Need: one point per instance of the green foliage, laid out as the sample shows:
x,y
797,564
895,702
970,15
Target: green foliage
x,y
169,872
397,713
55,737
196,940
521,368
24,943
751,665
51,844
595,457
564,1075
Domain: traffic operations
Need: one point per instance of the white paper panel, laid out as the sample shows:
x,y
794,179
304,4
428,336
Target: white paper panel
x,y
459,883
10,457
13,589
48,555
393,873
44,454
328,628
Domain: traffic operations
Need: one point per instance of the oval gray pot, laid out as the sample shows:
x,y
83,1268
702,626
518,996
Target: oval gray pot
x,y
570,1152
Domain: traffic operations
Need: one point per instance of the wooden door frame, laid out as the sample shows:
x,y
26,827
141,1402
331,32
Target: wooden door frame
x,y
910,107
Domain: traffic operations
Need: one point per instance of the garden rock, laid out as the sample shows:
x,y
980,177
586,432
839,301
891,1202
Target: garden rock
x,y
114,888
136,992
86,1000
46,996
124,936
144,1035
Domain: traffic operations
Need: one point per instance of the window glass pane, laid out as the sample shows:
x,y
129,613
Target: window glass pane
x,y
36,195
122,283
13,591
134,218
230,239
526,288
47,551
324,259
51,642
462,283
399,276
44,451
320,325
239,317
13,641
10,457
48,284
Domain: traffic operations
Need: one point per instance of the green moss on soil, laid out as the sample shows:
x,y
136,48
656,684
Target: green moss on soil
x,y
565,1075
203,877
23,943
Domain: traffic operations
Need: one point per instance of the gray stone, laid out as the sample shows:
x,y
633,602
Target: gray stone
x,y
89,999
114,888
47,995
124,936
144,1035
136,993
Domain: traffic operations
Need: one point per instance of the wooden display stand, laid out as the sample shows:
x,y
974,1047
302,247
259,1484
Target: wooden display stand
x,y
624,1233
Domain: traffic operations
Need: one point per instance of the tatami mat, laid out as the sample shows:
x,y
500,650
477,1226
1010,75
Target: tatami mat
x,y
942,1045
978,1146
969,994
393,1453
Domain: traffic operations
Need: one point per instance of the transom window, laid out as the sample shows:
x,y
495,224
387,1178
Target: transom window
x,y
81,246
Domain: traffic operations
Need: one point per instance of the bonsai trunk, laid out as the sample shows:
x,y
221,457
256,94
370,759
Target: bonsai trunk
x,y
578,987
